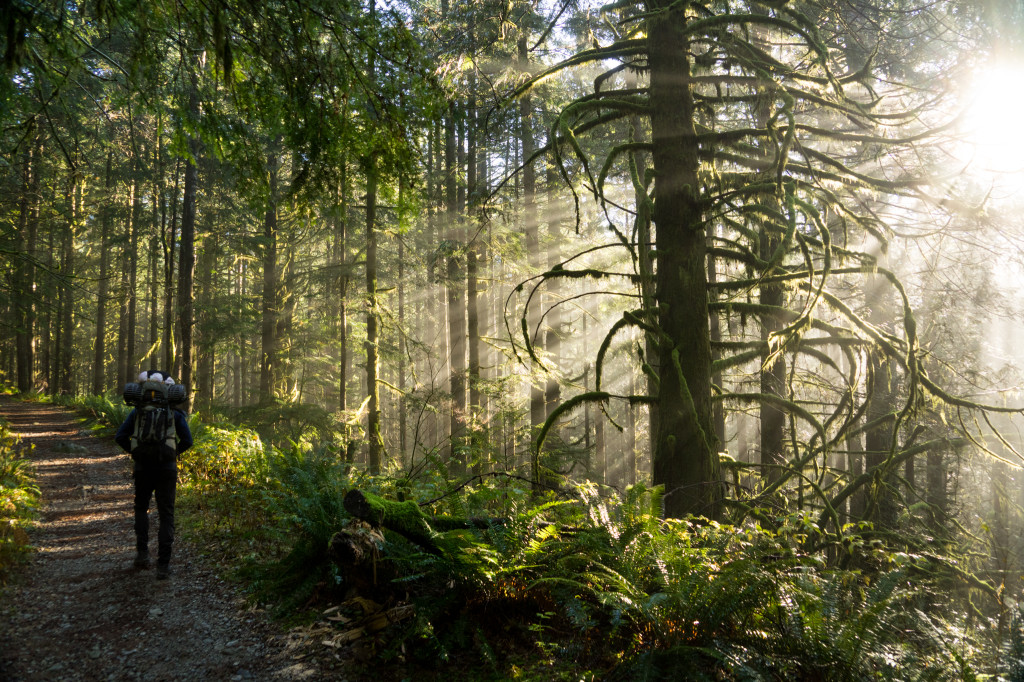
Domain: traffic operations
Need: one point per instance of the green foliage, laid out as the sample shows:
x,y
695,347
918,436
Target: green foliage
x,y
308,512
569,585
281,422
224,457
19,497
1014,661
611,584
269,510
102,410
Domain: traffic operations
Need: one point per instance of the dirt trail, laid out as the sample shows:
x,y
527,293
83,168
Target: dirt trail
x,y
81,612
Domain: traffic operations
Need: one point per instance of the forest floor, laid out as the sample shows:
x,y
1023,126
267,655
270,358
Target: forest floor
x,y
78,610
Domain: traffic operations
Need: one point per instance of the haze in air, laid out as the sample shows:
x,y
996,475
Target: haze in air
x,y
546,340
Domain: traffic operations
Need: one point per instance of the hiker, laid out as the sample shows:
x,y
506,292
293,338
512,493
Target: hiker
x,y
154,434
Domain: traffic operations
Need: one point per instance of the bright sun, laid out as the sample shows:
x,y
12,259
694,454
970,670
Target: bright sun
x,y
994,120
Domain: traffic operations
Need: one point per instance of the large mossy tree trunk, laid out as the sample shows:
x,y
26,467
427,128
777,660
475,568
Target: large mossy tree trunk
x,y
686,452
880,435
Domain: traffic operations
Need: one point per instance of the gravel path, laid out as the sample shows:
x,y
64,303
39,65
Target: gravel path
x,y
81,612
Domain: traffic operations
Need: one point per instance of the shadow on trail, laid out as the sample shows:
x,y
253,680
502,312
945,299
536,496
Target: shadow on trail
x,y
80,611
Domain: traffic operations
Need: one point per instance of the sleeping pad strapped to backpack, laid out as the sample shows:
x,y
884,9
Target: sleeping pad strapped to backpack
x,y
154,437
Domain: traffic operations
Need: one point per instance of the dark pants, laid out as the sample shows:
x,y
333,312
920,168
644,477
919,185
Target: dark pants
x,y
161,479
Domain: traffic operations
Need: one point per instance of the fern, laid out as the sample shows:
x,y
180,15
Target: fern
x,y
19,499
312,511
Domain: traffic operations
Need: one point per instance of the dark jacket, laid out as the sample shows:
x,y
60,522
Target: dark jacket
x,y
124,434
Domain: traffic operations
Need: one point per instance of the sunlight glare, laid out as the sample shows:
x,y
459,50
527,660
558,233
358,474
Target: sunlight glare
x,y
992,119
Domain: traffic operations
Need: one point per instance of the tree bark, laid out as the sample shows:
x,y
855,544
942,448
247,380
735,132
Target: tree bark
x,y
132,296
100,337
532,243
880,437
205,346
402,330
552,337
686,453
28,231
50,331
474,248
66,355
187,253
456,284
285,320
341,237
242,378
404,518
937,495
170,241
376,445
270,310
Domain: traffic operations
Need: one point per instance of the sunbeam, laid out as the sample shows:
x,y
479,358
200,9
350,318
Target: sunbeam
x,y
991,123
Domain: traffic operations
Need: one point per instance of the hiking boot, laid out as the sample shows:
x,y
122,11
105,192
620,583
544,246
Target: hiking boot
x,y
163,571
141,560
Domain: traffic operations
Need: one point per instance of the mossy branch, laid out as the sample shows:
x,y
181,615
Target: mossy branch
x,y
599,397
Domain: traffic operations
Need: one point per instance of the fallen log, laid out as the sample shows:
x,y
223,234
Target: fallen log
x,y
404,518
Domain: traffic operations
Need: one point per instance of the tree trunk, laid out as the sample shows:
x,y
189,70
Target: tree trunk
x,y
402,331
686,453
341,236
553,338
50,332
25,283
474,248
122,322
187,253
170,242
154,301
879,438
456,282
532,243
937,496
645,268
132,300
773,371
241,379
268,337
286,301
99,340
376,446
715,328
1001,550
204,344
66,353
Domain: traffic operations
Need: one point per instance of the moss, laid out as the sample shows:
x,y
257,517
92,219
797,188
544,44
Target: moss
x,y
404,518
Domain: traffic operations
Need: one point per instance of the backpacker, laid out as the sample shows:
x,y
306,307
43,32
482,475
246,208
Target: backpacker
x,y
154,437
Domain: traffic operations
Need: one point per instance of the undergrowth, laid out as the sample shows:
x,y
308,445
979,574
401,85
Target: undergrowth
x,y
19,498
591,585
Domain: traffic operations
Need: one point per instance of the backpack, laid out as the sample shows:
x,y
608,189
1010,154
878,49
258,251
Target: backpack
x,y
154,438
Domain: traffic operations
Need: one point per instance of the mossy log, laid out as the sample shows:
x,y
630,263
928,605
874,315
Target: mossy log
x,y
404,518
